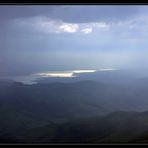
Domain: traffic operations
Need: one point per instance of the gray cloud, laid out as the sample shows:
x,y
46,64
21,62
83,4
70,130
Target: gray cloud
x,y
71,14
29,44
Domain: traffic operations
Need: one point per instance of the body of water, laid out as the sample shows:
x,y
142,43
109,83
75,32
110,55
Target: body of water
x,y
32,78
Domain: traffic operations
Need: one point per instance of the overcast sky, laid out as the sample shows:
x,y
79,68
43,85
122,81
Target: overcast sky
x,y
39,38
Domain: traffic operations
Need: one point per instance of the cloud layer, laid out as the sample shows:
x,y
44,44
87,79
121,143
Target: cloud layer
x,y
36,38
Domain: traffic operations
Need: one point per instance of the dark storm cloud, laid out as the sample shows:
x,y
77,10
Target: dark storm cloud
x,y
72,14
85,14
20,11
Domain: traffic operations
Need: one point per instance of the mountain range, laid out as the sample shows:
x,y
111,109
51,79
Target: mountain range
x,y
85,111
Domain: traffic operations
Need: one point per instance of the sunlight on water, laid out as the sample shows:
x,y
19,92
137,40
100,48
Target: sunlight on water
x,y
31,79
63,73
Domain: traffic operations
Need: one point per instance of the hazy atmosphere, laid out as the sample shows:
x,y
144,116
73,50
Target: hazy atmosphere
x,y
73,74
54,38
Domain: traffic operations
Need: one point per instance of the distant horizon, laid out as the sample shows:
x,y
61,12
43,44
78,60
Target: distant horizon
x,y
28,79
65,75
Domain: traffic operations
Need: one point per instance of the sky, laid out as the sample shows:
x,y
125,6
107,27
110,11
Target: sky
x,y
36,38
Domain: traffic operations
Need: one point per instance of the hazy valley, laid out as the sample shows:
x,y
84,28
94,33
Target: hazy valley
x,y
84,111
